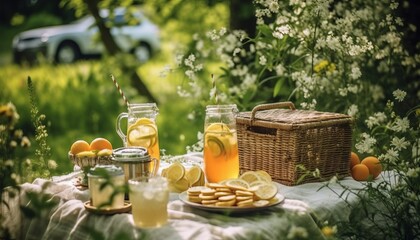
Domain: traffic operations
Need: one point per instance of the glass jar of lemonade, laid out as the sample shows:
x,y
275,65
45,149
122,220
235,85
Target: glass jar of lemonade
x,y
141,129
221,159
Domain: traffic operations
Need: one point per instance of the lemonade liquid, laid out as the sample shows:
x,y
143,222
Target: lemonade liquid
x,y
149,205
221,155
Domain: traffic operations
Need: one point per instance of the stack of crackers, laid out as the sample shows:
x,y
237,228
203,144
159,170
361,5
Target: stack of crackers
x,y
227,195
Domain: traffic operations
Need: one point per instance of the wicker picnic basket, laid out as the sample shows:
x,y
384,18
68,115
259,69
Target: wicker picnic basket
x,y
279,140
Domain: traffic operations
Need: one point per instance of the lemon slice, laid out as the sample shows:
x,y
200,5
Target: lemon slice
x,y
264,175
193,175
218,139
250,177
182,184
266,191
88,154
237,184
144,135
175,172
104,152
257,183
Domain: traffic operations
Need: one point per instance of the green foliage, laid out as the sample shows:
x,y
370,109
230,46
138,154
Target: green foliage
x,y
42,19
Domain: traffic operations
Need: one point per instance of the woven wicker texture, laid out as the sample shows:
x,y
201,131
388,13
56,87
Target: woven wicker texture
x,y
280,140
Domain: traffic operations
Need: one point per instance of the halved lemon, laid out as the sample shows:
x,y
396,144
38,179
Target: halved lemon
x,y
266,191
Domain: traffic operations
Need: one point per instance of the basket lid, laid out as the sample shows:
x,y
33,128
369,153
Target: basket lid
x,y
290,118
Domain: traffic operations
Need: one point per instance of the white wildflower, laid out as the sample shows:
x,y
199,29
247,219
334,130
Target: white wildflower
x,y
366,144
401,125
399,95
25,142
375,120
280,70
413,173
52,164
353,110
279,32
263,60
355,73
391,155
399,143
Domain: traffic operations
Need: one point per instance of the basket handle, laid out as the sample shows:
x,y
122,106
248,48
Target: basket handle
x,y
271,106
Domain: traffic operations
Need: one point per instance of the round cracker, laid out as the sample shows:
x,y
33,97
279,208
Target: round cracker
x,y
208,192
194,199
245,203
243,198
206,197
243,193
226,203
195,190
207,202
227,198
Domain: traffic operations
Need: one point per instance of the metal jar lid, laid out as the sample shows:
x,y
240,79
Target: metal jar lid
x,y
131,155
105,170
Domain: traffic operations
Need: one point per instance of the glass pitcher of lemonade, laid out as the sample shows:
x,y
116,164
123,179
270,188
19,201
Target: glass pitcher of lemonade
x,y
141,129
221,159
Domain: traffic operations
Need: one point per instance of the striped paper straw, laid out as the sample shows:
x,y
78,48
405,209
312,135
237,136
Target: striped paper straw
x,y
120,90
215,89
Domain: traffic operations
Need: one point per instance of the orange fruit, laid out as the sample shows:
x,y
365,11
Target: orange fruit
x,y
99,144
375,167
79,146
354,159
360,172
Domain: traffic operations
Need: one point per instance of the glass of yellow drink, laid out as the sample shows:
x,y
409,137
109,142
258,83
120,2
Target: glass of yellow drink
x,y
221,160
111,177
141,129
149,198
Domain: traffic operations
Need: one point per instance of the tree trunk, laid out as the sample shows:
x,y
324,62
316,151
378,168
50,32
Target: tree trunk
x,y
107,39
113,49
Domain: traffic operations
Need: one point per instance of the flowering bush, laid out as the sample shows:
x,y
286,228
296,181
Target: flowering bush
x,y
338,56
344,57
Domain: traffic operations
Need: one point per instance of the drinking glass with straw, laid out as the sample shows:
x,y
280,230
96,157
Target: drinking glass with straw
x,y
221,159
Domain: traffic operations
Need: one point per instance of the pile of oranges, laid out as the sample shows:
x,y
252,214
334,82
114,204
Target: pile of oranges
x,y
362,170
98,147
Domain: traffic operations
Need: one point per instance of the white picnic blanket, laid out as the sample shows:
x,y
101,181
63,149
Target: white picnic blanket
x,y
298,215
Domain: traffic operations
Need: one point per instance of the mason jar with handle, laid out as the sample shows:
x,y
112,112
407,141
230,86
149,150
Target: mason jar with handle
x,y
142,130
221,160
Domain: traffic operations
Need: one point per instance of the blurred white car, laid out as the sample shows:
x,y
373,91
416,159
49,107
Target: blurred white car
x,y
68,43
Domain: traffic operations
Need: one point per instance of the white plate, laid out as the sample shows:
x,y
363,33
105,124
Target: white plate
x,y
184,197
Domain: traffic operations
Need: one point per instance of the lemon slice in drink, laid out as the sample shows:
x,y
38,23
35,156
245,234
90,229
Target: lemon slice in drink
x,y
142,133
266,191
217,139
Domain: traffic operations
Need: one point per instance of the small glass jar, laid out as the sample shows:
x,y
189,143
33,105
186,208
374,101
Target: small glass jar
x,y
102,197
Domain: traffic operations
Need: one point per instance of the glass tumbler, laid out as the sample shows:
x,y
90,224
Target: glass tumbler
x,y
149,198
